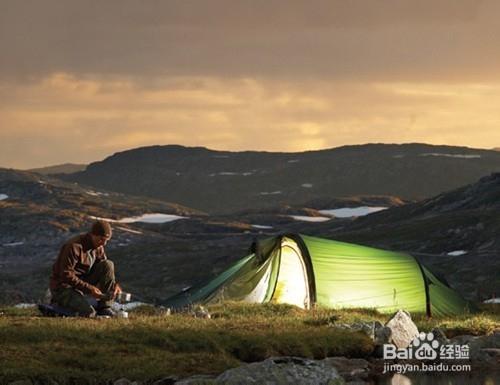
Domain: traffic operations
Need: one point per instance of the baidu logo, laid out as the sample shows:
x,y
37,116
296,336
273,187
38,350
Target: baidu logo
x,y
426,347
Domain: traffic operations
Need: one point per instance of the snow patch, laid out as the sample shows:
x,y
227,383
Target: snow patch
x,y
231,173
96,193
145,218
25,305
293,161
270,193
263,227
310,219
13,244
456,253
492,300
129,230
462,156
3,196
307,185
349,212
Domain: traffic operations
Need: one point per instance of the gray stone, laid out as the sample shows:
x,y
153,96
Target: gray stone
x,y
21,382
166,381
401,379
403,329
462,340
46,381
366,327
369,328
440,336
351,370
492,352
198,380
382,336
379,333
201,312
483,349
122,381
283,371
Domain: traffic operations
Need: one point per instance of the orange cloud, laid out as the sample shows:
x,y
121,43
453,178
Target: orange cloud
x,y
64,118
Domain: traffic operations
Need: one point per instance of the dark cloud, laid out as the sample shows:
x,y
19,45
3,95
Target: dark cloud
x,y
355,39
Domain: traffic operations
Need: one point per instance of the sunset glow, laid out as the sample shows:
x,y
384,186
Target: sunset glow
x,y
353,80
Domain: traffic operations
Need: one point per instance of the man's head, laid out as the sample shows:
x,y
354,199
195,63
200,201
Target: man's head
x,y
100,233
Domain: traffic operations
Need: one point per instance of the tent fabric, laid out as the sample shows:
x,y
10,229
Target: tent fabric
x,y
309,271
359,276
444,300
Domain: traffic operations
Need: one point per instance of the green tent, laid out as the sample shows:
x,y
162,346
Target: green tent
x,y
306,271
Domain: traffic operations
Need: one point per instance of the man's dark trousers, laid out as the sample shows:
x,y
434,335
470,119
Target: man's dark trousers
x,y
101,275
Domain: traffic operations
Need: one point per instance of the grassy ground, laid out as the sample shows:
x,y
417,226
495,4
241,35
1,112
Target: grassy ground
x,y
151,345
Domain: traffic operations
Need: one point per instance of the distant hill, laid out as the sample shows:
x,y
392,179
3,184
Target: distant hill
x,y
66,168
224,182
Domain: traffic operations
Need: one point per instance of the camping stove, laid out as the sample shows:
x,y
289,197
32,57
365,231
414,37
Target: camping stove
x,y
122,298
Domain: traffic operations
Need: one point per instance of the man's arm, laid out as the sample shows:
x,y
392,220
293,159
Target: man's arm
x,y
66,265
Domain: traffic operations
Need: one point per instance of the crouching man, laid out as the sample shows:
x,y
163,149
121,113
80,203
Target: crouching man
x,y
82,269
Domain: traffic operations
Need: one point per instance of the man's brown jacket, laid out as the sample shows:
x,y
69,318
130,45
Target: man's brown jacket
x,y
75,260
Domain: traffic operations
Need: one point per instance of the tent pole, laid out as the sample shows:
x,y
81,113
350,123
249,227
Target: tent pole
x,y
428,310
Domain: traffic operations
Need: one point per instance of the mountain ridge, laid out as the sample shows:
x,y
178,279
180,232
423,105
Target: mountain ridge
x,y
224,181
65,168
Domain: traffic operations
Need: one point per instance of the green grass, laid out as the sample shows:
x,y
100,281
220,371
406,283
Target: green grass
x,y
151,345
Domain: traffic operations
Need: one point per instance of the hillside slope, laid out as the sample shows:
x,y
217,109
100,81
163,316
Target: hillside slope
x,y
456,232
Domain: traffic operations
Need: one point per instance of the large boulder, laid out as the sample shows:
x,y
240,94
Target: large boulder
x,y
283,371
403,329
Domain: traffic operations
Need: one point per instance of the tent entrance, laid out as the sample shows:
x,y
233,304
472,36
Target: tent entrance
x,y
292,286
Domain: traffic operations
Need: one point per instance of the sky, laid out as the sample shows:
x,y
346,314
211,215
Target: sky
x,y
81,80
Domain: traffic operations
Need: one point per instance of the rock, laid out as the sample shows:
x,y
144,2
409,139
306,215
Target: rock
x,y
122,381
21,382
47,297
353,371
440,336
400,379
166,381
483,350
382,335
201,312
462,340
492,352
283,371
198,380
369,328
403,330
125,381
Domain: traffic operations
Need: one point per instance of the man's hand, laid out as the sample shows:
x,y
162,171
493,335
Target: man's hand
x,y
117,290
95,292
